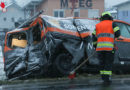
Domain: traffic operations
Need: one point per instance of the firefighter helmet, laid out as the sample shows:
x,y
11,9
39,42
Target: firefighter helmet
x,y
106,13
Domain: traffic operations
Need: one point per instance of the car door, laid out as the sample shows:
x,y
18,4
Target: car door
x,y
15,53
123,42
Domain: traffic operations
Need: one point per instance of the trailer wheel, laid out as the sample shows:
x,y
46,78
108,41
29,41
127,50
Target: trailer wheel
x,y
63,64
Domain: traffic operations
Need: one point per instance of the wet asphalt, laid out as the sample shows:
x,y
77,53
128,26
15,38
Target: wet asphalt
x,y
67,84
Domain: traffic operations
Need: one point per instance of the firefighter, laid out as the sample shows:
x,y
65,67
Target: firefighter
x,y
103,40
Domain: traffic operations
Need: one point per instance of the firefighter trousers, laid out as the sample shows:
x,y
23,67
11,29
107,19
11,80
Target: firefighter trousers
x,y
106,59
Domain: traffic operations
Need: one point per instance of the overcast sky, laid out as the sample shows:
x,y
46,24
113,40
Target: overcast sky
x,y
108,3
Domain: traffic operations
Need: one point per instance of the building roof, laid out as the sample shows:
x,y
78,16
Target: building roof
x,y
12,4
31,3
23,3
118,5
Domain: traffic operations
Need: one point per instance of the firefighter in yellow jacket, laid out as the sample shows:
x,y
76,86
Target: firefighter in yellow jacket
x,y
103,38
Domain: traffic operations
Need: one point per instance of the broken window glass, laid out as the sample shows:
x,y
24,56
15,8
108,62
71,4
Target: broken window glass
x,y
17,40
36,34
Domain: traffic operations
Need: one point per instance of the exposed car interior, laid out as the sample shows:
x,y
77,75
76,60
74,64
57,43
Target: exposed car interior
x,y
17,40
36,32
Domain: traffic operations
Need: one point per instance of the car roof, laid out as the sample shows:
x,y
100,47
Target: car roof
x,y
20,29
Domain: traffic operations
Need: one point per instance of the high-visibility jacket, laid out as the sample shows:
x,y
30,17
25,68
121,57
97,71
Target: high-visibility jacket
x,y
105,36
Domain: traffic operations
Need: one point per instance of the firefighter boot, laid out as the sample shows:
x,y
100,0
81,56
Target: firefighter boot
x,y
103,77
107,79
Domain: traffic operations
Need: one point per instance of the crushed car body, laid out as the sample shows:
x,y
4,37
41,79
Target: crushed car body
x,y
52,46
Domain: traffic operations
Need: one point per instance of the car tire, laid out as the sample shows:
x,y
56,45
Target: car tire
x,y
63,64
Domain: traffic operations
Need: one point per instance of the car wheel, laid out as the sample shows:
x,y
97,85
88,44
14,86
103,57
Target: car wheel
x,y
63,64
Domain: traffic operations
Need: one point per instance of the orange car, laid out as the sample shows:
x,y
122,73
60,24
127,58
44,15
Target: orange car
x,y
54,46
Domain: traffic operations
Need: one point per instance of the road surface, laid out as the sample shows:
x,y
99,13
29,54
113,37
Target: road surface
x,y
80,83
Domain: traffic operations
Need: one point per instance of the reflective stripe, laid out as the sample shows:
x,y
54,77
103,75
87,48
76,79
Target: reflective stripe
x,y
95,42
106,72
105,35
94,32
116,29
104,49
105,44
101,72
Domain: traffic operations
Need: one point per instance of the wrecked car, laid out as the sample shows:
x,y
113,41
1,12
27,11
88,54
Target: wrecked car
x,y
54,46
